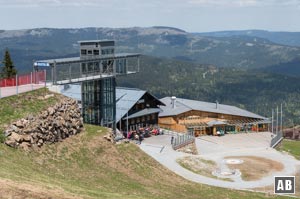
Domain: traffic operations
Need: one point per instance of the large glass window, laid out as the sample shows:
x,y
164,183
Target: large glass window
x,y
98,102
121,66
90,68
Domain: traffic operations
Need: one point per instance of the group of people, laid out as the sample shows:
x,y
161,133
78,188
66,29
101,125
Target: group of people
x,y
142,133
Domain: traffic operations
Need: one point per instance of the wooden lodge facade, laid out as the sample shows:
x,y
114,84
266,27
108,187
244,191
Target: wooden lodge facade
x,y
203,118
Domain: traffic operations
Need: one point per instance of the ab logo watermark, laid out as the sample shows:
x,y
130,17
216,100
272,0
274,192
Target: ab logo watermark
x,y
284,185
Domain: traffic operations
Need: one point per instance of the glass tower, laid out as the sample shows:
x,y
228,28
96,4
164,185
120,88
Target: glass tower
x,y
98,96
98,101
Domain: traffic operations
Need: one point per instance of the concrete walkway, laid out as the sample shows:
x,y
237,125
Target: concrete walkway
x,y
13,90
216,148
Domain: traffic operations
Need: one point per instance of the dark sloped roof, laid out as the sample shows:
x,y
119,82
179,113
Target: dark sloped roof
x,y
126,98
184,105
143,112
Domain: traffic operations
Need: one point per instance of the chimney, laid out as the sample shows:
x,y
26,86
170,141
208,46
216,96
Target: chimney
x,y
217,104
173,100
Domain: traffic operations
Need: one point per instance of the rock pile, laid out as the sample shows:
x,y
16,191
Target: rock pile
x,y
190,148
52,125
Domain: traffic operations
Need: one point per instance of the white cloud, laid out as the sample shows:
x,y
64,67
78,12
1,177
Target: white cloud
x,y
38,3
147,3
245,3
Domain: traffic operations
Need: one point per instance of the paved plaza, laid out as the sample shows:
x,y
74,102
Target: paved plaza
x,y
216,149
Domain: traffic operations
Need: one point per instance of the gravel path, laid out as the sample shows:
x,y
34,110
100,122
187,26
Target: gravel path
x,y
216,148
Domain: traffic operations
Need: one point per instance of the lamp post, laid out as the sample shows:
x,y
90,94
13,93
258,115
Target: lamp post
x,y
127,117
0,85
126,114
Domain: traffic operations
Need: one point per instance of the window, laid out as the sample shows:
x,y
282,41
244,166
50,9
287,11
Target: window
x,y
90,67
83,66
96,52
89,52
153,116
107,51
83,52
97,67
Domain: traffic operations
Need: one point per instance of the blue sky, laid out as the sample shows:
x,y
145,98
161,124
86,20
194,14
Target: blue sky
x,y
190,15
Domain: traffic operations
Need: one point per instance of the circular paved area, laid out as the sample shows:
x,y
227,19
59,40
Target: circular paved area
x,y
216,149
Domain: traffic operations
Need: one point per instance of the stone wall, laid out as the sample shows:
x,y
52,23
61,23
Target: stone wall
x,y
52,125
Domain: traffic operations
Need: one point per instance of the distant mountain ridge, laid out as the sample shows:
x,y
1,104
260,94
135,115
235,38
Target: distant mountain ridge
x,y
242,51
215,68
284,38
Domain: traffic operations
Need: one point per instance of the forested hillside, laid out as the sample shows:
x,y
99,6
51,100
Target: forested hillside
x,y
232,69
236,51
254,90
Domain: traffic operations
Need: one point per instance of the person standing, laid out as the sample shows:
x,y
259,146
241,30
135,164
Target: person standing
x,y
172,140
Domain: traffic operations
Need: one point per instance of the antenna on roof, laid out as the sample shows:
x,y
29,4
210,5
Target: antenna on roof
x,y
173,100
217,104
97,36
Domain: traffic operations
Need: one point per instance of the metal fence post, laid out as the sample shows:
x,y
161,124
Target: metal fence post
x,y
45,75
31,81
277,121
54,72
70,72
17,84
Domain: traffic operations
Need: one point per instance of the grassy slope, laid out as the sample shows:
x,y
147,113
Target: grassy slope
x,y
87,166
292,147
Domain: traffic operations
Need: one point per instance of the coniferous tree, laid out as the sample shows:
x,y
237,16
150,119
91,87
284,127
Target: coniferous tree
x,y
8,69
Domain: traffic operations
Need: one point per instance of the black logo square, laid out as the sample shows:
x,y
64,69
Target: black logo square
x,y
284,185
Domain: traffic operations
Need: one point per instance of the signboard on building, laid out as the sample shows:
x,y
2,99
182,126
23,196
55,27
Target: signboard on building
x,y
41,64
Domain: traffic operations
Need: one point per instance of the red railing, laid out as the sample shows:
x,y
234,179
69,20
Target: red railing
x,y
32,78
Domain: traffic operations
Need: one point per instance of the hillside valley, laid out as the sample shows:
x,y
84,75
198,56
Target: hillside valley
x,y
257,91
88,166
244,51
246,70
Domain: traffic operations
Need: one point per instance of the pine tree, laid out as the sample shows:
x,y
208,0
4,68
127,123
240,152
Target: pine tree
x,y
8,69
